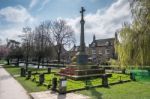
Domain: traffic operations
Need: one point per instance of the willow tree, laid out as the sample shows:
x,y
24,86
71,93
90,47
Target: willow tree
x,y
134,45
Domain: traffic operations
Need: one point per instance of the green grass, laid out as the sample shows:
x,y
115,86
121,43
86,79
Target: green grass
x,y
13,70
131,90
2,61
73,85
29,85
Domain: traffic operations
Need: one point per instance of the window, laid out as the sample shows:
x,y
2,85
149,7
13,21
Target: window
x,y
100,52
94,44
108,43
107,51
93,51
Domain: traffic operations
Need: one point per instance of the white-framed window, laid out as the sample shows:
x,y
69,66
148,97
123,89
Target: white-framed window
x,y
93,51
107,51
100,52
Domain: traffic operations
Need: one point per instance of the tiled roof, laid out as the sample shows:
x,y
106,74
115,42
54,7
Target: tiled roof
x,y
103,42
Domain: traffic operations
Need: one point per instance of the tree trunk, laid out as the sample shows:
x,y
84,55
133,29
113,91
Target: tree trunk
x,y
58,58
27,64
59,53
39,59
42,62
8,63
17,64
47,61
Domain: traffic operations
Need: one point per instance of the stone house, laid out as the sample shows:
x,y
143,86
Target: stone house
x,y
102,50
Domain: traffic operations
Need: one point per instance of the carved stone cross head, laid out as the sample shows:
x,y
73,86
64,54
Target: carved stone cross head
x,y
82,11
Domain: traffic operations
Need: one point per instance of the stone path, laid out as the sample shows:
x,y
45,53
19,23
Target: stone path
x,y
10,88
52,95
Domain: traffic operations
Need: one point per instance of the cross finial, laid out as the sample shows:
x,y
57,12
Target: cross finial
x,y
82,11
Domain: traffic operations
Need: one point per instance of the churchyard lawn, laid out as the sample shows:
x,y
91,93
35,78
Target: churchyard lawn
x,y
129,90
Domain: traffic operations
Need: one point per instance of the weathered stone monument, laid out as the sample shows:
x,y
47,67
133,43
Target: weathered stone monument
x,y
81,69
82,57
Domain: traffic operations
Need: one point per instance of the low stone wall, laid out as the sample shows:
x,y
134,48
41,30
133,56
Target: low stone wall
x,y
89,72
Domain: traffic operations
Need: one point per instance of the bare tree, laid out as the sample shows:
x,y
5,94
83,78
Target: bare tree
x,y
14,51
43,42
27,43
63,35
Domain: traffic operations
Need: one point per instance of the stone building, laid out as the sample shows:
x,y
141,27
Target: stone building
x,y
101,50
75,49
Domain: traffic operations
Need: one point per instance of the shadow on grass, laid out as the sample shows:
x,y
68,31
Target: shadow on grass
x,y
94,92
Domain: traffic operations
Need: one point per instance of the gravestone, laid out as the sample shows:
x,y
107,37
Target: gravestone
x,y
41,78
48,70
123,71
54,84
62,85
105,80
132,76
23,72
29,75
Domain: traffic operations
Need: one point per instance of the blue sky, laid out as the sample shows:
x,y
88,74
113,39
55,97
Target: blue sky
x,y
56,8
103,17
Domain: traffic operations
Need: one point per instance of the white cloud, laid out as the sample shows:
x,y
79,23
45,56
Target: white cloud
x,y
11,33
104,22
43,4
14,18
17,14
33,3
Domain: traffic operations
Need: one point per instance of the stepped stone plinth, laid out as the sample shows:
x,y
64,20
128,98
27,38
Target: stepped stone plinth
x,y
76,72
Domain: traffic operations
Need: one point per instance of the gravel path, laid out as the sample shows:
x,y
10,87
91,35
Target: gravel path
x,y
52,95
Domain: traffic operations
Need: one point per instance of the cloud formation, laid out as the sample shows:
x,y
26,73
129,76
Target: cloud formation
x,y
11,33
105,22
17,14
33,3
14,19
42,4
